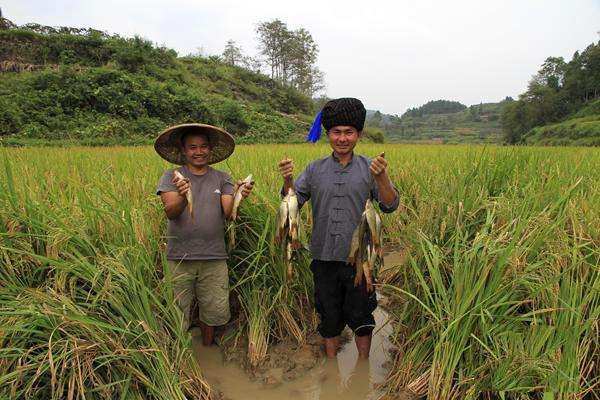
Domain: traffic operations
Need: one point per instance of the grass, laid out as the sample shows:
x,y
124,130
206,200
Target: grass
x,y
499,296
581,131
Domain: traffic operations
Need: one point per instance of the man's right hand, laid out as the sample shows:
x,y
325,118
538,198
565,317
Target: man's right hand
x,y
183,185
286,169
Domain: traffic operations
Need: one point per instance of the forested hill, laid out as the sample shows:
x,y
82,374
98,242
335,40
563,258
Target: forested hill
x,y
443,121
561,105
89,87
435,107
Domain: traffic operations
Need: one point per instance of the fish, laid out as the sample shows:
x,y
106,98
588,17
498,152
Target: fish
x,y
294,218
288,227
237,199
354,247
369,267
366,246
188,194
282,221
375,227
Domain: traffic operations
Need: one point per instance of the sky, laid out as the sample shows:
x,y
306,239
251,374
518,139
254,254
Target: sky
x,y
392,55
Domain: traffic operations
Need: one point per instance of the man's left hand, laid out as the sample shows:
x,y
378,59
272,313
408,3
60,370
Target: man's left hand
x,y
246,188
378,166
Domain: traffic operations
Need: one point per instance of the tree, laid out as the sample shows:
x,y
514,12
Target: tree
x,y
291,56
435,107
376,119
552,73
272,37
556,90
253,64
303,52
232,54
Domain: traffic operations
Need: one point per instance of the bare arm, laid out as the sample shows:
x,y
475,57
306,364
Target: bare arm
x,y
175,202
227,204
286,168
385,187
387,193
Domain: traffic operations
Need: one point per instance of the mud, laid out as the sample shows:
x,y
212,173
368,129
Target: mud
x,y
301,371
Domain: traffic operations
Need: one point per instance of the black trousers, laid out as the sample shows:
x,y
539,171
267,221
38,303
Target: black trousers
x,y
338,302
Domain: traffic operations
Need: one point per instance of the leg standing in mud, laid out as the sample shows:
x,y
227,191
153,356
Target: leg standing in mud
x,y
196,239
338,187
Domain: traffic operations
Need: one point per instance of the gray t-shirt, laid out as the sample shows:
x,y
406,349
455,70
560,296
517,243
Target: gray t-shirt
x,y
202,238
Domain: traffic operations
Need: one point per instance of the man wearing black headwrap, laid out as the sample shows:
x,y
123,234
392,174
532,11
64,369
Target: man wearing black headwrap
x,y
338,187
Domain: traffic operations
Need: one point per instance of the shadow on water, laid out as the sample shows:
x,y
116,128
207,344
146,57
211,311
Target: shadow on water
x,y
346,377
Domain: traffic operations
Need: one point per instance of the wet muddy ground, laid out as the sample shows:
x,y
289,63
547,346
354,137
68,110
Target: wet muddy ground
x,y
302,371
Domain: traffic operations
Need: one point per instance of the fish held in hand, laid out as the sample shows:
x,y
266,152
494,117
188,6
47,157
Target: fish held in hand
x,y
282,221
188,194
294,218
237,198
288,226
365,247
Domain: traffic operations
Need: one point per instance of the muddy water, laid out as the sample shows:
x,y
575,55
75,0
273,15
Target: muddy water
x,y
346,377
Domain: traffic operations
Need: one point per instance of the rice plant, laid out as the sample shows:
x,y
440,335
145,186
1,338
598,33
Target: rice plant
x,y
499,297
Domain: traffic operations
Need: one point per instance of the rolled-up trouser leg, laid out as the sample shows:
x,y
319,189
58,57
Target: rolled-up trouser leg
x,y
358,304
328,298
184,275
212,292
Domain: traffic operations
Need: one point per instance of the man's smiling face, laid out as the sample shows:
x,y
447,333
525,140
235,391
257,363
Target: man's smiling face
x,y
196,149
343,139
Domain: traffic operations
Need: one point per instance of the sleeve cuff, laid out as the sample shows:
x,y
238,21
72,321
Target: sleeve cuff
x,y
388,208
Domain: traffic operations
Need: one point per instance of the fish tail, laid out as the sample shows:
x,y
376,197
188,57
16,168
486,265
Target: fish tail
x,y
359,274
231,236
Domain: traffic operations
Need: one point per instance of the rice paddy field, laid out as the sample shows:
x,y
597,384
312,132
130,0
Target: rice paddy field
x,y
498,296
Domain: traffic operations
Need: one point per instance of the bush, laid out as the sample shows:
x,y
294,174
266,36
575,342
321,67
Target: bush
x,y
135,56
374,135
107,88
10,117
231,116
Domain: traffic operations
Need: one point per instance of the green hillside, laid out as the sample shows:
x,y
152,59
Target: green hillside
x,y
561,105
84,86
433,123
581,129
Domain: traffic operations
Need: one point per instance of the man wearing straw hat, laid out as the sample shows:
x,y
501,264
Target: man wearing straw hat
x,y
338,187
196,251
